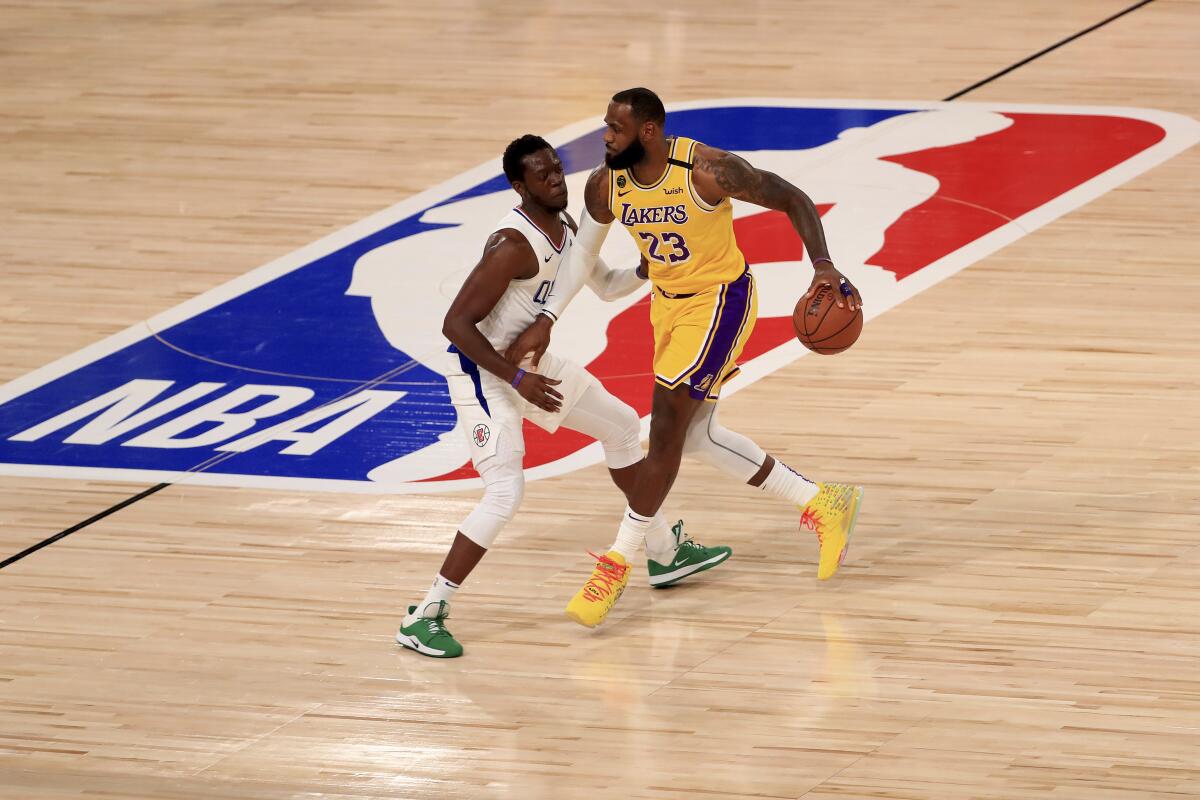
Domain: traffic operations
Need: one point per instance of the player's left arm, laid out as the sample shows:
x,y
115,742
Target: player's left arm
x,y
718,174
612,284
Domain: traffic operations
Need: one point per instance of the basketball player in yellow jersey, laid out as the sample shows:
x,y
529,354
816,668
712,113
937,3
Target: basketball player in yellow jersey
x,y
673,196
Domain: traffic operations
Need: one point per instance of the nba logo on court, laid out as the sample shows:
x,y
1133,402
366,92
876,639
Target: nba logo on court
x,y
321,370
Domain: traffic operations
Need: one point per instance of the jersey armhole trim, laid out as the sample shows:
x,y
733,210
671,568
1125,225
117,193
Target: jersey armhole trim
x,y
612,188
696,198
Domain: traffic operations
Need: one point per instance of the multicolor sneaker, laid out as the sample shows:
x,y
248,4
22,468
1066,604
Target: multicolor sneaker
x,y
831,515
688,559
428,635
591,604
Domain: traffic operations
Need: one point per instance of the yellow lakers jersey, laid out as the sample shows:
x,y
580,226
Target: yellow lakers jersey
x,y
688,243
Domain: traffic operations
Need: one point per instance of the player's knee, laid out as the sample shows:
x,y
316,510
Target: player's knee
x,y
503,496
501,499
667,437
667,455
622,443
727,450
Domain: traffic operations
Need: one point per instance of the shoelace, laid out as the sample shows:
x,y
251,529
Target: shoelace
x,y
437,624
682,541
606,574
812,520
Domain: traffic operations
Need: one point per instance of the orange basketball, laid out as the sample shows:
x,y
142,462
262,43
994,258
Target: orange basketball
x,y
823,327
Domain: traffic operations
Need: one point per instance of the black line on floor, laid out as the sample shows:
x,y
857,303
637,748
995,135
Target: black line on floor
x,y
1041,53
128,501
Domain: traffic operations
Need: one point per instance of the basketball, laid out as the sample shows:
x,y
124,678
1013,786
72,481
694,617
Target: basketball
x,y
822,326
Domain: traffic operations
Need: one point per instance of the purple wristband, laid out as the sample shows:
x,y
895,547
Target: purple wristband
x,y
517,378
828,261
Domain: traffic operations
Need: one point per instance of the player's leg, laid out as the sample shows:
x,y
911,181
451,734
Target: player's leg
x,y
671,556
697,341
424,628
498,450
669,417
828,510
742,459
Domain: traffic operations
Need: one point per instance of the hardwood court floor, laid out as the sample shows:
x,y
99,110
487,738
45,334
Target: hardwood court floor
x,y
1019,617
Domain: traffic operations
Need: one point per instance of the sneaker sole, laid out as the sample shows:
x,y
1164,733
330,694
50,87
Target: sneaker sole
x,y
580,621
670,578
413,643
860,493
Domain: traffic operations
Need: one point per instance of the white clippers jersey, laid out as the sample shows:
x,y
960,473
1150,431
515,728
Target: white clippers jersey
x,y
523,299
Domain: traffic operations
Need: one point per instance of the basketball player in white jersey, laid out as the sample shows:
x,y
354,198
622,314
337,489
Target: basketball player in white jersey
x,y
499,299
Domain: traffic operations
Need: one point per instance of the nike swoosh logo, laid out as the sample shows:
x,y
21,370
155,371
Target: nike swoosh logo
x,y
622,194
547,258
679,563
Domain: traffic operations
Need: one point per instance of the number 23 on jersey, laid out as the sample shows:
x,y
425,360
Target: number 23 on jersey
x,y
666,248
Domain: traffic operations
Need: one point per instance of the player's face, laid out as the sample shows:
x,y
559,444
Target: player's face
x,y
544,181
622,147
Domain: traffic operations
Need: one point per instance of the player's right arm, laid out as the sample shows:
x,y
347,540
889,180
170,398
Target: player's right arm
x,y
506,257
575,271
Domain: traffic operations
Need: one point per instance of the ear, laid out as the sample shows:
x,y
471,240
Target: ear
x,y
647,132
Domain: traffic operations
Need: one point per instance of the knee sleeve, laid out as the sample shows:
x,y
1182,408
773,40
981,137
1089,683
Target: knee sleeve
x,y
728,451
504,488
612,423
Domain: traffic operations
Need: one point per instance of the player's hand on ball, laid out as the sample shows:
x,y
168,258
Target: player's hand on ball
x,y
533,342
827,275
538,389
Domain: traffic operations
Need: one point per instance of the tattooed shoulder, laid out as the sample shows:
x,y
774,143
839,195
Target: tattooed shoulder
x,y
731,174
595,194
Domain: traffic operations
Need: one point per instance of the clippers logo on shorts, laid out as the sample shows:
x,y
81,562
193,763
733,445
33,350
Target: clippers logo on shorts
x,y
325,369
481,434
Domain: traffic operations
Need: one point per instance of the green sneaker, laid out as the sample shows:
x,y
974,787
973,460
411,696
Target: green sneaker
x,y
428,635
689,558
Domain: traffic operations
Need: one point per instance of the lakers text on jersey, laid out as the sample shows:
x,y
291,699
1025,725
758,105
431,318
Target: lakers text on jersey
x,y
688,243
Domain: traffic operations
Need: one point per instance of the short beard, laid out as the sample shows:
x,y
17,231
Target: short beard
x,y
631,156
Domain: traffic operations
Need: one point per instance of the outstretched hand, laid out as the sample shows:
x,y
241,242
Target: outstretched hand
x,y
843,289
532,342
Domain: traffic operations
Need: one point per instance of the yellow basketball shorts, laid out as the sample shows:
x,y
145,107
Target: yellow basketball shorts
x,y
698,338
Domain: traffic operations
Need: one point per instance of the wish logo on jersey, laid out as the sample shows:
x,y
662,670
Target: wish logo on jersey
x,y
324,370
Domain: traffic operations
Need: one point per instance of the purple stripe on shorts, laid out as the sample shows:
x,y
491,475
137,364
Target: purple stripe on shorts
x,y
737,301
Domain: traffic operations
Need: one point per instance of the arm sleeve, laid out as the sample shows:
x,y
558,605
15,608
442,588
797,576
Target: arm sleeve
x,y
577,269
611,284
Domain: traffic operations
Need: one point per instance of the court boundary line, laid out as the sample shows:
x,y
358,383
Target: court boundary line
x,y
1044,51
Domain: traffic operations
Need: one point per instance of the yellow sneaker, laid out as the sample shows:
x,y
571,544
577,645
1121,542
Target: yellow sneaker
x,y
831,515
591,604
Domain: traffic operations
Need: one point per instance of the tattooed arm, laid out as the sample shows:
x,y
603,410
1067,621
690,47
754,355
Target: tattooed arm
x,y
718,174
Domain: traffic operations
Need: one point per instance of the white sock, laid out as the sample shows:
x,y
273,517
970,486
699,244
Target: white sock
x,y
632,533
787,484
660,541
442,590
